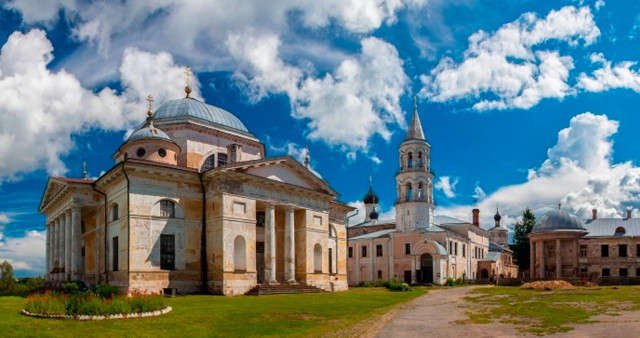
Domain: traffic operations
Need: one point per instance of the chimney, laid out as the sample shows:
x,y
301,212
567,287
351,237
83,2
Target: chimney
x,y
594,212
628,213
234,153
476,217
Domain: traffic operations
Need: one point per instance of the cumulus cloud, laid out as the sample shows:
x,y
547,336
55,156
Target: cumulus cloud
x,y
578,172
609,77
510,68
41,109
447,186
289,148
26,254
345,108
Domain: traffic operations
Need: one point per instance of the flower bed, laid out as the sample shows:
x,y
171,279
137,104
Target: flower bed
x,y
89,305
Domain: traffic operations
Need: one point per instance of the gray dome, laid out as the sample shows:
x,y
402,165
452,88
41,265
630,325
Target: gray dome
x,y
200,110
558,220
149,133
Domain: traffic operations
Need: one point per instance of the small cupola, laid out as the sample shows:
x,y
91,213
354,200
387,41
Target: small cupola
x,y
497,217
370,202
149,143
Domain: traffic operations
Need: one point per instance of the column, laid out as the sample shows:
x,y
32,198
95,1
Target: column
x,y
270,234
289,247
542,262
96,248
47,254
76,238
576,255
558,259
532,259
60,251
67,246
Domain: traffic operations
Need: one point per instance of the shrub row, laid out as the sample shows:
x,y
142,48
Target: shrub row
x,y
392,284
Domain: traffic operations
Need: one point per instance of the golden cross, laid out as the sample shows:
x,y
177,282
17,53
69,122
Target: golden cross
x,y
150,100
187,71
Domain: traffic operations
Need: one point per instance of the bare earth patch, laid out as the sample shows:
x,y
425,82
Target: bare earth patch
x,y
548,285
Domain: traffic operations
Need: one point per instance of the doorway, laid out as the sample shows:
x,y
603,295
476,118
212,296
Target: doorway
x,y
426,269
407,276
260,261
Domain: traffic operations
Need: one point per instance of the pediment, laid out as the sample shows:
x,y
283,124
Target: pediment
x,y
54,187
286,170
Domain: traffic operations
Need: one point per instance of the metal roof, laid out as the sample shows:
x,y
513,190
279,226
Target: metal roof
x,y
492,256
558,220
448,220
149,132
200,110
606,227
379,222
376,234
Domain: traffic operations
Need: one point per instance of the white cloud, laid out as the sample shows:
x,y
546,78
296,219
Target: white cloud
x,y
578,173
607,77
4,219
290,148
599,4
41,109
502,70
344,109
25,253
447,186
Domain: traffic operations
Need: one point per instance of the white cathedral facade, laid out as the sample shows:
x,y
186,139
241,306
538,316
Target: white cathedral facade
x,y
193,204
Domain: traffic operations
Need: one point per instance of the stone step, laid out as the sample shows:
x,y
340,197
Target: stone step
x,y
282,289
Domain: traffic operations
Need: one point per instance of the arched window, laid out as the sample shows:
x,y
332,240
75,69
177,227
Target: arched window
x,y
620,231
239,254
167,209
114,215
209,163
317,258
410,160
409,192
420,190
420,159
222,159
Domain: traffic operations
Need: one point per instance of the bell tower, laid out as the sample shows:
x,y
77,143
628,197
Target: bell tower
x,y
414,181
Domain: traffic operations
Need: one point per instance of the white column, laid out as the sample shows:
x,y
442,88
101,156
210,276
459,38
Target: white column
x,y
67,246
76,251
60,251
96,248
47,253
270,234
289,246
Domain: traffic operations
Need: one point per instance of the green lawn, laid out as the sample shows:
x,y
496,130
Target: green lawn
x,y
293,315
545,312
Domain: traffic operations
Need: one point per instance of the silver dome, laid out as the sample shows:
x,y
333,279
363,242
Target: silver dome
x,y
558,220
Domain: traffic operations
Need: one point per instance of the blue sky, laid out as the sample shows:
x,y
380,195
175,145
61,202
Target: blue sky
x,y
525,103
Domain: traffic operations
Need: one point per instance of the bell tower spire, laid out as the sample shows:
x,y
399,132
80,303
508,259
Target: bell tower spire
x,y
415,128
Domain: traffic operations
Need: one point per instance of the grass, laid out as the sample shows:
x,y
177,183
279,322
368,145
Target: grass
x,y
546,312
280,315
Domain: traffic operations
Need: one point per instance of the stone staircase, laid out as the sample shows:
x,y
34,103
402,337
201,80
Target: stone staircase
x,y
282,289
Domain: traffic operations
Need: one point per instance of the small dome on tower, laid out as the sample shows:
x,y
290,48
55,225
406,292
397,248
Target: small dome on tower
x,y
371,197
497,217
373,214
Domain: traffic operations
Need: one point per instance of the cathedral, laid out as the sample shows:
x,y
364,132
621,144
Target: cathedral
x,y
417,246
192,204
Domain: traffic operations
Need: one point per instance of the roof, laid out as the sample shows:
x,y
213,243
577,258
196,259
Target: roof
x,y
199,110
379,222
371,197
493,246
415,128
73,180
448,220
558,220
149,133
492,256
376,234
606,227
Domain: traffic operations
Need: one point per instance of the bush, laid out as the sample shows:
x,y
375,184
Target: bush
x,y
106,291
396,285
70,288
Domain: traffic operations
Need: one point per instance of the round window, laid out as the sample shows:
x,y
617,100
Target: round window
x,y
140,152
162,152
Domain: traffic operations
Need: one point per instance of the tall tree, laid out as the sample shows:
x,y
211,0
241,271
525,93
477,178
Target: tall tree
x,y
521,247
7,282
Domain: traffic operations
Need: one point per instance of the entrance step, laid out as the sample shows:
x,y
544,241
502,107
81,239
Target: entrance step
x,y
282,289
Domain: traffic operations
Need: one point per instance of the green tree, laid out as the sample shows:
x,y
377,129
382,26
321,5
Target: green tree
x,y
7,281
521,251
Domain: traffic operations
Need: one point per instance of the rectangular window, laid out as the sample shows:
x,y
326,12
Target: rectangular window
x,y
637,272
624,272
604,250
378,250
464,249
606,272
583,251
638,250
456,248
167,252
364,251
379,274
317,220
583,273
551,251
222,159
622,250
239,208
114,254
450,248
350,252
167,209
407,248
